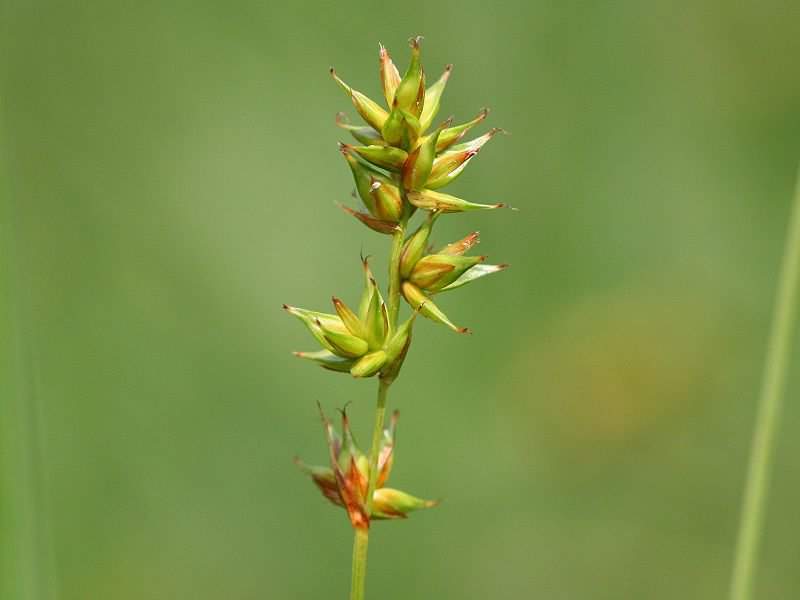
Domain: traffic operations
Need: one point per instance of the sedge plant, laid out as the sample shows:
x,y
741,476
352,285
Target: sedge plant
x,y
401,159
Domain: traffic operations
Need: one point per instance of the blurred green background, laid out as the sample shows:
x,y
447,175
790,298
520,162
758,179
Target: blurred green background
x,y
169,176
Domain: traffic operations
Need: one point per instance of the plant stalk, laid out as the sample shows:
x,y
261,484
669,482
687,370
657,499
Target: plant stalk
x,y
361,538
769,410
394,275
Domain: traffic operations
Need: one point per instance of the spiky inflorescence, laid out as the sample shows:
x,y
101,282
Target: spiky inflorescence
x,y
399,164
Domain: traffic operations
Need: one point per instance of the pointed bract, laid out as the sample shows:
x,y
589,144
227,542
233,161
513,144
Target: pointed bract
x,y
451,135
461,246
343,344
369,364
349,318
474,273
324,478
328,360
386,455
401,129
379,225
388,503
375,322
310,318
369,289
431,200
385,157
449,165
478,142
362,133
386,199
433,97
410,93
435,271
417,168
390,76
418,300
369,110
414,247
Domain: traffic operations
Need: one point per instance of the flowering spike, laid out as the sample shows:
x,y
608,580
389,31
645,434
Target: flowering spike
x,y
430,200
345,482
418,300
369,110
433,97
410,94
362,133
328,360
453,134
348,479
400,162
390,76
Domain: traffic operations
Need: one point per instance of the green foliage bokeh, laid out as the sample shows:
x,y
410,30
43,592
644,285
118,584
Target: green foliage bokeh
x,y
171,171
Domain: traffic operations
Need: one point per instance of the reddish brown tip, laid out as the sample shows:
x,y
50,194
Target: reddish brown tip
x,y
466,330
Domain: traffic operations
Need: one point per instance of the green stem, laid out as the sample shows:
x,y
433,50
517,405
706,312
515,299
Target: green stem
x,y
359,574
361,539
394,275
377,436
774,382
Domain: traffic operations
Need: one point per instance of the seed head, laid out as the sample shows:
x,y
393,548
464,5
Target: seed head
x,y
344,482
